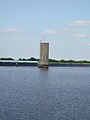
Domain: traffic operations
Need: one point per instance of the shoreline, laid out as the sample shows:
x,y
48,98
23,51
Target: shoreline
x,y
34,64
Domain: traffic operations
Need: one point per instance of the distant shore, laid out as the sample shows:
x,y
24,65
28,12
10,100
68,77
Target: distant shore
x,y
35,64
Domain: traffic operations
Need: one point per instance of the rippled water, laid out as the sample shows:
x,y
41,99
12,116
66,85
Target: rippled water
x,y
57,93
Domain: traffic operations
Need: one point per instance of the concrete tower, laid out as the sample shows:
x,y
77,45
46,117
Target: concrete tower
x,y
44,55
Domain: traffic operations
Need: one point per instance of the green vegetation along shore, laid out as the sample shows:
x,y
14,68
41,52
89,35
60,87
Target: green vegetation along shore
x,y
50,60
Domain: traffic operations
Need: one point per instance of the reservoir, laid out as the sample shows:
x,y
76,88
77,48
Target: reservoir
x,y
56,93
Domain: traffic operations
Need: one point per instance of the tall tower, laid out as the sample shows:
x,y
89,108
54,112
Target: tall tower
x,y
44,55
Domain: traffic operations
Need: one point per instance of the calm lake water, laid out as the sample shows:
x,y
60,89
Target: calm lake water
x,y
57,93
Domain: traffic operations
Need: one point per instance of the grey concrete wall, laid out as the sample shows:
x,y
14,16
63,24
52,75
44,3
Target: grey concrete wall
x,y
44,54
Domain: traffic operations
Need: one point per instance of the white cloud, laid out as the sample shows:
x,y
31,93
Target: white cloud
x,y
3,30
51,32
57,31
65,30
9,39
79,23
12,30
80,35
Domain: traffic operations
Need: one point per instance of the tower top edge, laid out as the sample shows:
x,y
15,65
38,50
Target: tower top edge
x,y
44,42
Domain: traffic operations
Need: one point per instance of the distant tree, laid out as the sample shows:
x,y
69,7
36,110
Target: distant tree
x,y
33,59
53,60
71,61
6,59
29,59
62,61
22,59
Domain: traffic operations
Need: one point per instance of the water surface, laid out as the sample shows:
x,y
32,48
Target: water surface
x,y
57,93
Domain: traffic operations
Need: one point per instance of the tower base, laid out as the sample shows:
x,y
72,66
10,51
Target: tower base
x,y
42,65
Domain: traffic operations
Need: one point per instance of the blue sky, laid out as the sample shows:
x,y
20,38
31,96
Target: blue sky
x,y
65,24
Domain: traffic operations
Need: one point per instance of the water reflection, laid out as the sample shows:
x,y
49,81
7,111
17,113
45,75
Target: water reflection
x,y
44,69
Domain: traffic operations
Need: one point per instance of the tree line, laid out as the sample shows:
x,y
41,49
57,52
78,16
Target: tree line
x,y
50,60
21,59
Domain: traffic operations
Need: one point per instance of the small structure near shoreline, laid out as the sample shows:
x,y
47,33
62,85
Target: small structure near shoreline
x,y
16,64
44,55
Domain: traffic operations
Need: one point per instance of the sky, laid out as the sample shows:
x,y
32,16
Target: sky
x,y
65,24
